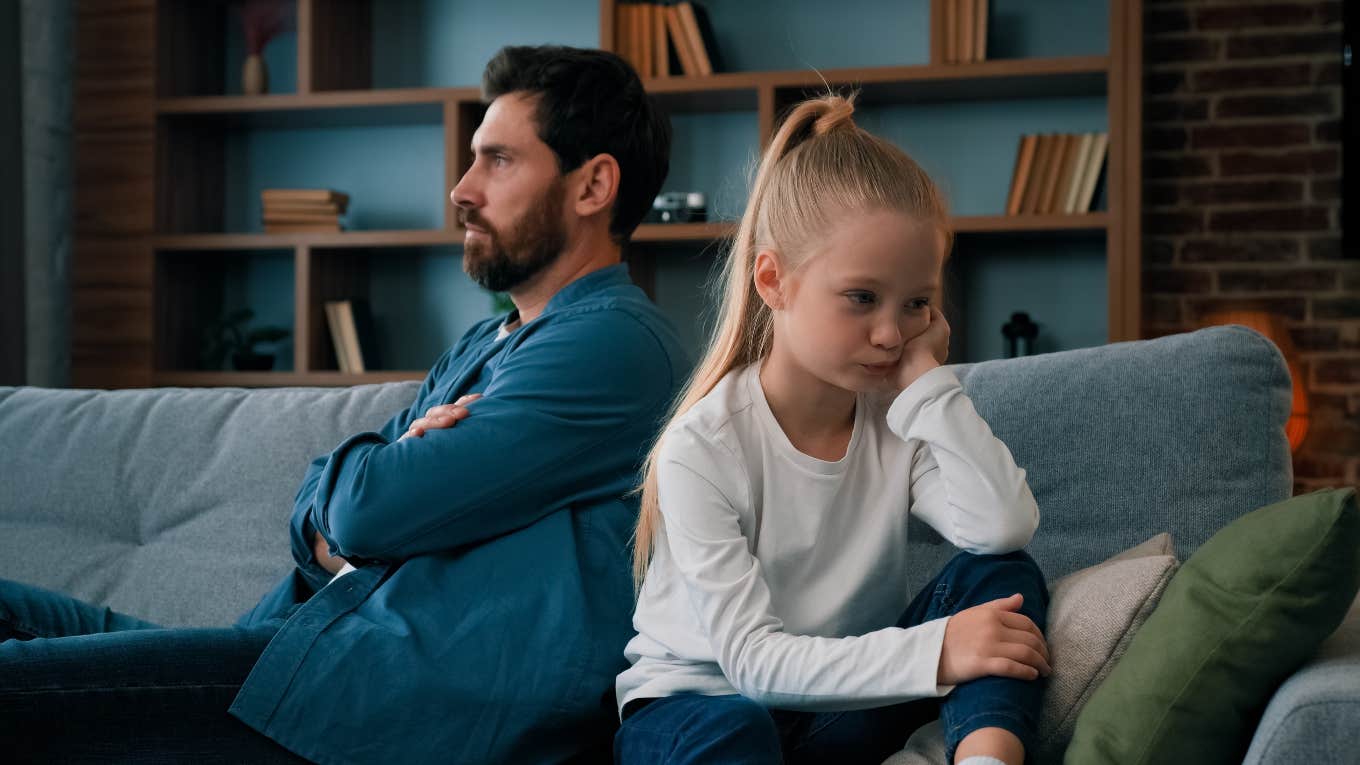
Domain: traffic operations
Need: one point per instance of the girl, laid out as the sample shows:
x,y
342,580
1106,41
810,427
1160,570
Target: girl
x,y
773,624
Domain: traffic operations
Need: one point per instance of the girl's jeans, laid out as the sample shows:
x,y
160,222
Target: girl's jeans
x,y
690,728
80,683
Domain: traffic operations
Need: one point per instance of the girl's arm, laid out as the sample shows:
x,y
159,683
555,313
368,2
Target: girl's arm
x,y
702,492
964,482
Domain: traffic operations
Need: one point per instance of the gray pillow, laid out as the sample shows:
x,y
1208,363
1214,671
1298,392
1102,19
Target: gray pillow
x,y
1092,615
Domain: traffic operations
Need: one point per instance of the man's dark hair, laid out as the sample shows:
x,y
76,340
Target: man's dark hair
x,y
591,102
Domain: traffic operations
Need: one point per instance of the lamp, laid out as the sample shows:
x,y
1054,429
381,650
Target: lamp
x,y
1272,326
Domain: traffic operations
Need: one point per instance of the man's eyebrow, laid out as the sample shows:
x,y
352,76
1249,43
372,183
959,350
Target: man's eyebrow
x,y
492,148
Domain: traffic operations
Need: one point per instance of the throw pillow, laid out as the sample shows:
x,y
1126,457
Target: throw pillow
x,y
1244,612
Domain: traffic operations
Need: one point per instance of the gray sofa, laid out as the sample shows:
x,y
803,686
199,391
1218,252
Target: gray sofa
x,y
172,504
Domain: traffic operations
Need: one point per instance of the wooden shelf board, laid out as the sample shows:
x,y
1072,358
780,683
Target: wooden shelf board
x,y
684,232
277,379
414,238
341,108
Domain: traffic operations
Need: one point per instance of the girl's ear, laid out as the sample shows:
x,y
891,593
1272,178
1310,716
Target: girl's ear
x,y
596,185
768,276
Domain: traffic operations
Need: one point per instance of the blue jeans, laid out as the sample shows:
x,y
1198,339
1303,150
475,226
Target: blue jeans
x,y
80,683
690,728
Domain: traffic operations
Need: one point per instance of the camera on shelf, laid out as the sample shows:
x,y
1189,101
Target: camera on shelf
x,y
678,207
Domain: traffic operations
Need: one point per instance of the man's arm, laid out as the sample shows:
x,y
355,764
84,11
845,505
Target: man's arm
x,y
546,433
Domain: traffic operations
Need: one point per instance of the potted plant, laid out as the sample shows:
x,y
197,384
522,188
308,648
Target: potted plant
x,y
229,337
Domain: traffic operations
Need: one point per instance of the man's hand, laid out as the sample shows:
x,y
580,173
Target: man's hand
x,y
924,352
438,417
992,639
322,550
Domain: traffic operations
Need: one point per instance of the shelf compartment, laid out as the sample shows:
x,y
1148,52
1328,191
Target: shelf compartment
x,y
202,49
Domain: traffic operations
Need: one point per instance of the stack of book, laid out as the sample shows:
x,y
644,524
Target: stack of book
x,y
660,40
962,27
1057,174
295,210
351,327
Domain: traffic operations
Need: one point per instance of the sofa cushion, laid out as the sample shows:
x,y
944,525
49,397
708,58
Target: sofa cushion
x,y
1092,616
172,504
1181,434
1302,720
1244,612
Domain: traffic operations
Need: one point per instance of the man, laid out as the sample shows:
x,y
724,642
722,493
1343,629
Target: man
x,y
462,589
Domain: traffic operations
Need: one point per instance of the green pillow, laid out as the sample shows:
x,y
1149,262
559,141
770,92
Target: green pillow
x,y
1248,608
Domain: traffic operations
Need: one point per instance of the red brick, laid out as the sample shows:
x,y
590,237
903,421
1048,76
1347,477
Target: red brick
x,y
1270,219
1183,166
1328,73
1161,83
1251,77
1314,338
1319,465
1340,437
1325,248
1277,280
1266,135
1329,13
1187,222
1254,15
1295,162
1328,131
1182,281
1255,250
1350,280
1161,310
1336,308
1158,252
1161,194
1275,106
1228,192
1176,110
1164,139
1325,189
1169,49
1277,45
1289,307
1163,20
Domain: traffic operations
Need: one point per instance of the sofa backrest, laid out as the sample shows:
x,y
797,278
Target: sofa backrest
x,y
1183,433
173,504
170,504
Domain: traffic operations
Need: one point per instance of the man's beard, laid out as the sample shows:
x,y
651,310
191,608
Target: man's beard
x,y
529,245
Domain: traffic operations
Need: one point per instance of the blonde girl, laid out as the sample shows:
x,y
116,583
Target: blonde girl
x,y
773,620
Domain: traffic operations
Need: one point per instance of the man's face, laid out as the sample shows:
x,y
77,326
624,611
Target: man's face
x,y
511,199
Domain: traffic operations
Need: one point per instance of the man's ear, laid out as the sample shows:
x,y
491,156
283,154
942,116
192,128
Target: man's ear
x,y
596,185
768,276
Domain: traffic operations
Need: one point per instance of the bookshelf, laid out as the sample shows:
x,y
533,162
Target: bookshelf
x,y
191,156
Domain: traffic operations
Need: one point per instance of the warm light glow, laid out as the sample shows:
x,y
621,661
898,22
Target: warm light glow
x,y
1272,326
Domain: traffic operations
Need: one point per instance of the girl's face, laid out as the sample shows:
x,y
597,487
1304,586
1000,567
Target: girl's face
x,y
861,294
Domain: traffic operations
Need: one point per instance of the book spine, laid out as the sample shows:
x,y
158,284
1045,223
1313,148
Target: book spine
x,y
1024,158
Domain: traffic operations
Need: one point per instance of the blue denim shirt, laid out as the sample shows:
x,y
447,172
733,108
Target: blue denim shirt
x,y
487,618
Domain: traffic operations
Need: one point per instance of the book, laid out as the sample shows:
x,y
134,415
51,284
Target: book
x,y
1051,171
293,216
647,37
676,25
661,55
1024,160
699,33
965,30
294,196
301,228
1042,148
332,308
951,31
1085,142
1066,172
308,208
1095,161
980,12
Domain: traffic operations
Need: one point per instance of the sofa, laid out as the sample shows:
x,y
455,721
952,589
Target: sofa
x,y
105,493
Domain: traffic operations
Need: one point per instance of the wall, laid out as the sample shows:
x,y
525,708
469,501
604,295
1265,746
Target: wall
x,y
1242,163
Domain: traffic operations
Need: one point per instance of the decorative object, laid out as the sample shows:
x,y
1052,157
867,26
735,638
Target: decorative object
x,y
1273,327
678,207
262,21
228,336
1020,334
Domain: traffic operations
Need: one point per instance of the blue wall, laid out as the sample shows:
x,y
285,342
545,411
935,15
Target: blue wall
x,y
422,302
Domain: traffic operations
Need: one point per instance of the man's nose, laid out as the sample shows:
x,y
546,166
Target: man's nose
x,y
465,193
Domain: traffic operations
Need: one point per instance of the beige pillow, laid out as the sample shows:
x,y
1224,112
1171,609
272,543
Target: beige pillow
x,y
1092,615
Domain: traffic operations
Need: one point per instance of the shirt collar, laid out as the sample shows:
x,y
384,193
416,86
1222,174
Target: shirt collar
x,y
604,278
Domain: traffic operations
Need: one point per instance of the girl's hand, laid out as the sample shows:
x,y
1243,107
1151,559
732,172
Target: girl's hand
x,y
924,352
992,639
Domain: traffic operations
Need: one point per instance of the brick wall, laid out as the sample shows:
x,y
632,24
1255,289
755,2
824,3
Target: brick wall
x,y
1242,164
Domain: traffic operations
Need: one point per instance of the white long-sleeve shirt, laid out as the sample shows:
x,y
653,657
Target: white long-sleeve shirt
x,y
778,575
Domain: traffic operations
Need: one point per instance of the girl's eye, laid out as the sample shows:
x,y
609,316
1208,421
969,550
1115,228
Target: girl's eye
x,y
861,298
919,304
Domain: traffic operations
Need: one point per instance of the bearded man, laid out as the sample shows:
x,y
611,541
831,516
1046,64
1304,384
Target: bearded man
x,y
462,590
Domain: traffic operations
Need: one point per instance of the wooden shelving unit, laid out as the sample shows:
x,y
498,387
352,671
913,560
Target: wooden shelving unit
x,y
167,169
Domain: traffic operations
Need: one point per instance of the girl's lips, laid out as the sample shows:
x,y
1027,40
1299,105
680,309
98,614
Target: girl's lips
x,y
879,368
